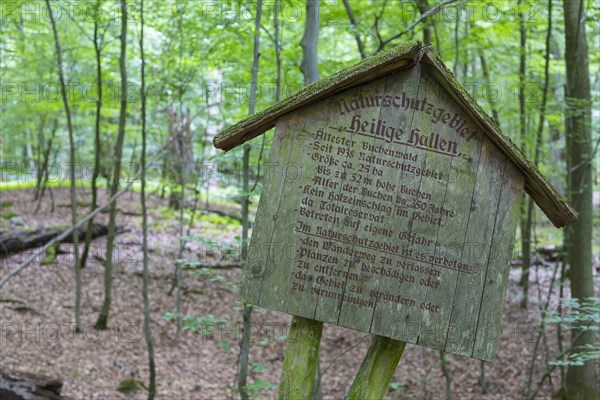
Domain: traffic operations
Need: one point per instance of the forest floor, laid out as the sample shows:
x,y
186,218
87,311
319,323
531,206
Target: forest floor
x,y
36,317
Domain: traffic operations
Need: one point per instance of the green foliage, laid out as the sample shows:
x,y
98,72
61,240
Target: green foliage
x,y
396,389
51,254
257,368
9,214
584,317
225,345
203,325
208,69
258,385
220,221
131,386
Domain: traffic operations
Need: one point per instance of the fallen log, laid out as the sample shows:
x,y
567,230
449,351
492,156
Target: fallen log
x,y
23,386
19,240
221,213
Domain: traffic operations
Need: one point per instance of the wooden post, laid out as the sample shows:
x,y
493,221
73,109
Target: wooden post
x,y
378,366
300,361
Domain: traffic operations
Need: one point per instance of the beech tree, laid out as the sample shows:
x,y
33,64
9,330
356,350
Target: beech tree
x,y
102,322
581,379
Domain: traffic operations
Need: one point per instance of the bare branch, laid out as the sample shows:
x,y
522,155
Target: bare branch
x,y
424,16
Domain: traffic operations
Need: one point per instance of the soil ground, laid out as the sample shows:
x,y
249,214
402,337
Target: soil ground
x,y
36,316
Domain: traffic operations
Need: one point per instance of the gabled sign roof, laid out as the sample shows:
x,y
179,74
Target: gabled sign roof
x,y
399,58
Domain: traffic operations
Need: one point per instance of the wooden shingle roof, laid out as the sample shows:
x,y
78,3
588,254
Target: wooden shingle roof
x,y
398,58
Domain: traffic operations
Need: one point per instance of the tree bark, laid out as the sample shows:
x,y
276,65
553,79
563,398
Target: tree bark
x,y
181,128
145,295
247,308
423,7
310,58
102,322
581,380
97,142
43,173
527,206
72,183
17,241
352,18
486,76
15,385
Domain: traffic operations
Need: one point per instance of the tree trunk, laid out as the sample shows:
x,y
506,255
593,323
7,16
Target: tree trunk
x,y
102,322
354,24
486,76
72,182
17,241
310,58
247,308
16,385
182,130
97,142
581,380
423,7
147,330
42,182
527,207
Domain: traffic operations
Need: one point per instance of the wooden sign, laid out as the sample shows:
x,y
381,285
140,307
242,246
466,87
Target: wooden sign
x,y
387,208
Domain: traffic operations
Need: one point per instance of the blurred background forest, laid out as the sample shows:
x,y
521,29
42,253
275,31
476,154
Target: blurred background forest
x,y
105,98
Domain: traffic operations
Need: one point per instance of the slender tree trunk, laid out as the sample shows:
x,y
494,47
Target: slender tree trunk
x,y
486,76
72,186
581,380
277,51
423,7
180,126
247,308
537,151
43,174
97,143
456,42
482,383
309,66
102,322
41,150
354,24
447,375
147,330
527,208
559,311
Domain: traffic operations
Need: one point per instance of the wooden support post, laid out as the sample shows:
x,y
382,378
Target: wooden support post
x,y
378,366
300,362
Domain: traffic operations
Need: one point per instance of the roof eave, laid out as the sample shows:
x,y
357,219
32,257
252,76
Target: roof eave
x,y
543,193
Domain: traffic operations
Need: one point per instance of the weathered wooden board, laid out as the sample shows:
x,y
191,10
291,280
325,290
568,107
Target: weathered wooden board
x,y
387,210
